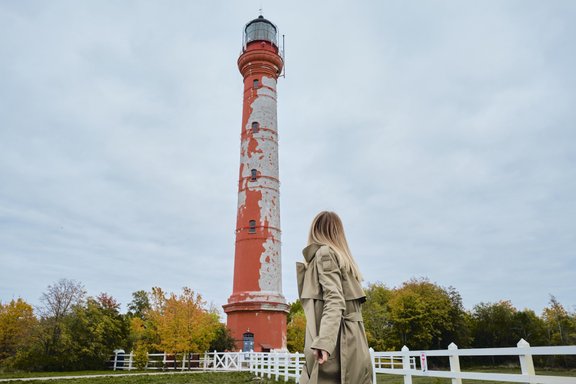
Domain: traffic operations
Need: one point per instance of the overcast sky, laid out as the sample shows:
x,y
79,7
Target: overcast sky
x,y
442,132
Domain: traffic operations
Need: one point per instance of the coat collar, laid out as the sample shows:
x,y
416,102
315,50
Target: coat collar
x,y
310,251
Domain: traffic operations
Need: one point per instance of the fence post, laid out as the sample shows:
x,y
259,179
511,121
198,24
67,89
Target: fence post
x,y
276,360
406,365
115,359
373,361
526,362
298,368
130,361
454,363
287,360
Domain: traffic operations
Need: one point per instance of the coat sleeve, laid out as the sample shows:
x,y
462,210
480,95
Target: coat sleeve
x,y
330,278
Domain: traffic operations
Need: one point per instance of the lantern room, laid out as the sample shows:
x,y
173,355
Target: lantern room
x,y
260,29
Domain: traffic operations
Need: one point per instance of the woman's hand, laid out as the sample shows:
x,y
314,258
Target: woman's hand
x,y
320,355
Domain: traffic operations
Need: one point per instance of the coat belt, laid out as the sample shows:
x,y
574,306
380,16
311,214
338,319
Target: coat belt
x,y
353,316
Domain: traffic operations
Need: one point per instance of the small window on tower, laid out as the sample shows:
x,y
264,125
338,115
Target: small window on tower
x,y
255,127
252,228
256,84
253,175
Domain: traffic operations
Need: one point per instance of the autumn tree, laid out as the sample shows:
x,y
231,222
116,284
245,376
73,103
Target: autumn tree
x,y
143,332
560,325
182,321
17,324
296,327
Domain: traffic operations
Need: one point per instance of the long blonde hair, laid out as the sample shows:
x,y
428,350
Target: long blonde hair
x,y
327,229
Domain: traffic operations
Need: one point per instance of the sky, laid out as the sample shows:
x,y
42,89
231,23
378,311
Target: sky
x,y
442,132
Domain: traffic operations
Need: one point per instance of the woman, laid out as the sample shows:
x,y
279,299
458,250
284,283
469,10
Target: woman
x,y
331,294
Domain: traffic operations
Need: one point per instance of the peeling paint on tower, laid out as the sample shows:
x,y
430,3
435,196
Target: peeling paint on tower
x,y
257,305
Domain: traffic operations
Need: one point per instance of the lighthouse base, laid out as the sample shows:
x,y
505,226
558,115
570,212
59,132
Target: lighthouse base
x,y
257,325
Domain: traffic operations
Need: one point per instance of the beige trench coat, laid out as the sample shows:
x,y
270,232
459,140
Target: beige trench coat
x,y
331,299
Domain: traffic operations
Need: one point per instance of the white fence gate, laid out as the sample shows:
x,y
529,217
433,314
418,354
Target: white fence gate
x,y
286,366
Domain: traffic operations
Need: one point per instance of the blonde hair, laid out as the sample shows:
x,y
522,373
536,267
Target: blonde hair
x,y
327,229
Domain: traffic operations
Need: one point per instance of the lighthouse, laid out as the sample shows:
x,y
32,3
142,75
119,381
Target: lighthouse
x,y
256,309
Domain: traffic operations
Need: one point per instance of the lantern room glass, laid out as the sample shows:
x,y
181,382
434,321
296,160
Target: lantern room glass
x,y
261,29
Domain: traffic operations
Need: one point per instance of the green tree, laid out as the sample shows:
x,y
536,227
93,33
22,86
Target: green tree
x,y
73,332
97,328
295,308
493,325
408,317
420,313
139,305
459,331
528,326
53,340
223,340
376,314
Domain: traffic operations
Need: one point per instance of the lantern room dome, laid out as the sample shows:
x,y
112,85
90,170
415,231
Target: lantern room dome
x,y
260,29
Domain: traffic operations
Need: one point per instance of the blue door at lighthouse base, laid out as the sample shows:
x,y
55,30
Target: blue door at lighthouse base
x,y
248,339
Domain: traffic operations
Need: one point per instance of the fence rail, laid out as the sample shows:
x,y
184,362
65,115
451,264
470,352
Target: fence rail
x,y
406,363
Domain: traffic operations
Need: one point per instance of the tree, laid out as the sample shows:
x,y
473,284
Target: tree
x,y
420,312
560,325
296,332
17,323
223,340
139,305
376,314
182,322
460,330
59,298
296,327
408,316
494,325
53,340
528,326
97,329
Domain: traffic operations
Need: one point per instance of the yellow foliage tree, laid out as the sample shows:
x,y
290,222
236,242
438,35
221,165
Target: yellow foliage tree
x,y
296,331
17,322
182,322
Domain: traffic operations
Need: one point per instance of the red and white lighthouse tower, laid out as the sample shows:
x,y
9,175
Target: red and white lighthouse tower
x,y
257,309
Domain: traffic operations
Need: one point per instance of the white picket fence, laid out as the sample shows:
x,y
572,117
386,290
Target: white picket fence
x,y
286,366
415,363
277,365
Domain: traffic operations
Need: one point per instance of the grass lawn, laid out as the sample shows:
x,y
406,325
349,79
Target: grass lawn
x,y
167,378
12,375
229,377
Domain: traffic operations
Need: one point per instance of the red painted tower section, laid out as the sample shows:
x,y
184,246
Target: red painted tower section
x,y
257,309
